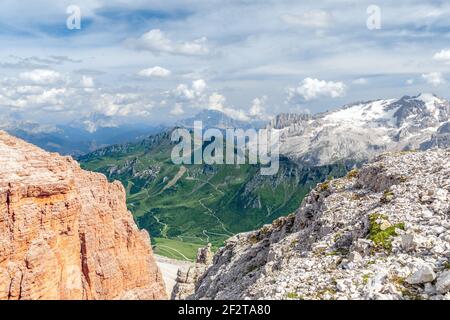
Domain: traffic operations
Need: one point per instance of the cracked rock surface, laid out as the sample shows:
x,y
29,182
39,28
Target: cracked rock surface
x,y
66,233
382,232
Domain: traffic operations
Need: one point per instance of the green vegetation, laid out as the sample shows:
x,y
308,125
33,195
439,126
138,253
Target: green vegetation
x,y
339,252
353,174
387,197
381,233
292,295
175,249
365,278
192,205
324,186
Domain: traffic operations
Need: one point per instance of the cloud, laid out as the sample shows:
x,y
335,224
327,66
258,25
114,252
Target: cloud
x,y
258,109
442,56
157,42
360,81
87,82
410,82
197,96
157,72
311,19
434,78
122,104
41,76
38,92
35,62
195,91
217,102
177,110
310,89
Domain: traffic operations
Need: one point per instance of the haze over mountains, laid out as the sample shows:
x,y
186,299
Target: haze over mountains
x,y
186,207
196,204
77,137
358,131
219,120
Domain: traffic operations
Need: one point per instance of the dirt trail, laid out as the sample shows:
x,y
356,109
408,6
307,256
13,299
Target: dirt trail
x,y
175,179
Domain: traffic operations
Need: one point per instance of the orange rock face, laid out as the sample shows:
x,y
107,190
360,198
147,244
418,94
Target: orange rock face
x,y
66,233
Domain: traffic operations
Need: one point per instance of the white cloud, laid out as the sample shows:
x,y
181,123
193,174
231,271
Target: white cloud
x,y
122,104
217,102
360,81
92,125
87,82
28,89
53,97
410,82
192,92
442,56
310,89
258,109
156,41
177,110
434,78
157,72
312,19
41,76
71,98
199,85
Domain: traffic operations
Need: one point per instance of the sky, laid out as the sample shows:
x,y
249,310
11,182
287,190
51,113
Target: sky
x,y
159,61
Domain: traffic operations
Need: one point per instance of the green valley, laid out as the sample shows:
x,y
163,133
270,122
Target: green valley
x,y
184,207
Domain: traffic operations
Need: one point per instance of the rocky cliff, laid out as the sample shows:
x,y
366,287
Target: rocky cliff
x,y
186,280
66,233
379,233
363,130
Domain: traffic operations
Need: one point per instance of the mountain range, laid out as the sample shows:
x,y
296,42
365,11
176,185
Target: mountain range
x,y
379,233
79,136
185,207
219,120
360,131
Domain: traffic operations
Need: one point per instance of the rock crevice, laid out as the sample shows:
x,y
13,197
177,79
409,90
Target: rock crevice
x,y
379,233
66,233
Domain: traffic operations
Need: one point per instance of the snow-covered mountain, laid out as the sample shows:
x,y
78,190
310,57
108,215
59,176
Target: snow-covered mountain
x,y
362,130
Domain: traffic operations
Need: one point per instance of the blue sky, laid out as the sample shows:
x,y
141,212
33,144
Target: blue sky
x,y
157,61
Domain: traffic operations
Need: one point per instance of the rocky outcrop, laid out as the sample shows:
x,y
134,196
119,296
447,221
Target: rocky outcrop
x,y
295,120
379,233
439,140
186,280
364,130
66,233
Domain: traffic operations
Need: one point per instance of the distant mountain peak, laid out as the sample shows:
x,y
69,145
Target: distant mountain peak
x,y
283,120
362,130
94,122
218,119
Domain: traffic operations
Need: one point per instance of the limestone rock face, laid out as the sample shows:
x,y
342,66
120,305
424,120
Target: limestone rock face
x,y
66,233
379,233
186,280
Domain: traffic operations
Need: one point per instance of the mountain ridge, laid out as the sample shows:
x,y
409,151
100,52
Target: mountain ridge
x,y
360,131
378,233
66,233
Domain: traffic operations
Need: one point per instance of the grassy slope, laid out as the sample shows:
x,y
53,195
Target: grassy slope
x,y
208,203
